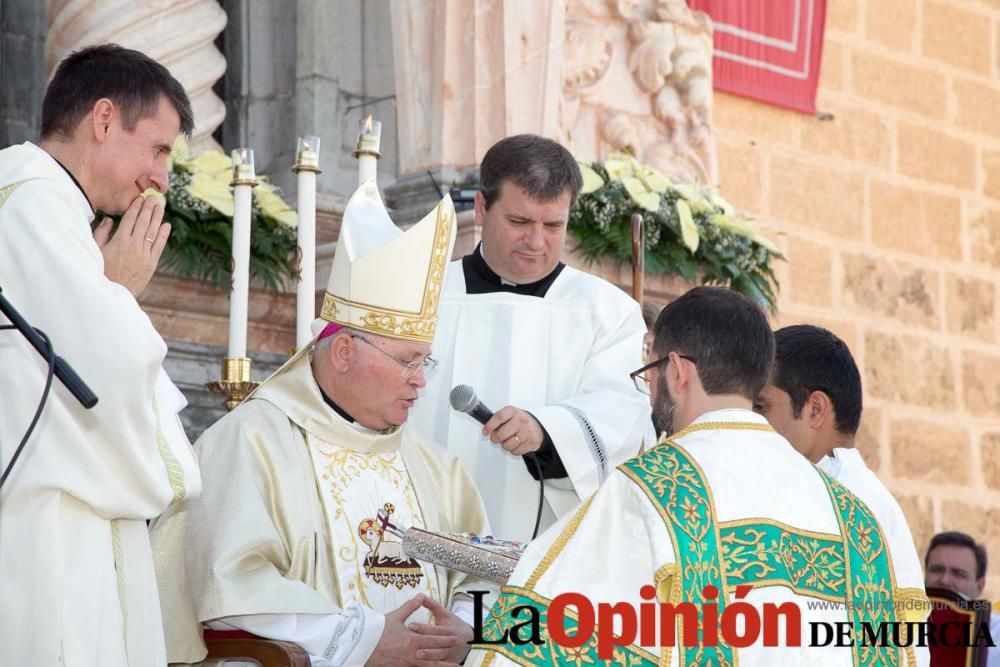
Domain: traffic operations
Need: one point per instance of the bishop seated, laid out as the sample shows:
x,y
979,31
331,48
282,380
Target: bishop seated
x,y
289,540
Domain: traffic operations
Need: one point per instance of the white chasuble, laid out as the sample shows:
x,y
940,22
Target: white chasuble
x,y
360,491
566,359
847,467
77,586
723,512
287,540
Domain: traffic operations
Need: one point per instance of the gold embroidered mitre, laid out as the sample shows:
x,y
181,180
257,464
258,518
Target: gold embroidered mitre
x,y
385,280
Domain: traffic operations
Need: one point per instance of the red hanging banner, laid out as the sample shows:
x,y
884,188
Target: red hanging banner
x,y
768,50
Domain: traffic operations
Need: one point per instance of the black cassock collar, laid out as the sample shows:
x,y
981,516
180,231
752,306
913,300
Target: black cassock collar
x,y
481,279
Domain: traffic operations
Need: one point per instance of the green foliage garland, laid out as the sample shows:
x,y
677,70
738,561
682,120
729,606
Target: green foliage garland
x,y
689,231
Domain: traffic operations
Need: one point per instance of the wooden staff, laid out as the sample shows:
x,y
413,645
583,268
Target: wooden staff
x,y
638,258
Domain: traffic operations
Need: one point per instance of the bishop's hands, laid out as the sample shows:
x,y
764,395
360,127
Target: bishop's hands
x,y
515,430
446,624
132,253
420,644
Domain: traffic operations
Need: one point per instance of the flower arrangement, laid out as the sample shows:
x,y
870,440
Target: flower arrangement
x,y
689,229
199,207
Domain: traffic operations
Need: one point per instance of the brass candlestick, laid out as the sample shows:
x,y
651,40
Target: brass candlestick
x,y
235,383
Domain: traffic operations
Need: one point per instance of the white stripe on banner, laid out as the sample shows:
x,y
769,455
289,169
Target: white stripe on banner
x,y
771,67
751,36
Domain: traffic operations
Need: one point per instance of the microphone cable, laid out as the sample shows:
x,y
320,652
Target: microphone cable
x,y
541,492
462,398
50,356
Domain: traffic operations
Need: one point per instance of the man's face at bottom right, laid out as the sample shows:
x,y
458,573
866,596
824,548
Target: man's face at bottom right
x,y
953,567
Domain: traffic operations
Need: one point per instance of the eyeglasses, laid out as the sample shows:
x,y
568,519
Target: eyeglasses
x,y
639,379
427,364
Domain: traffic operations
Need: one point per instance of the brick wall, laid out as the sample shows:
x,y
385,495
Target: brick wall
x,y
890,217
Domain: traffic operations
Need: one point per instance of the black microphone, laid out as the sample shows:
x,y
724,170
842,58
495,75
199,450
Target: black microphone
x,y
463,399
63,370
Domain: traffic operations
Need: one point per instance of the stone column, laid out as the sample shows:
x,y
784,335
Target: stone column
x,y
180,34
22,75
468,73
601,75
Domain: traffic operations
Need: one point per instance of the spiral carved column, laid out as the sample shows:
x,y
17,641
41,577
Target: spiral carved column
x,y
180,34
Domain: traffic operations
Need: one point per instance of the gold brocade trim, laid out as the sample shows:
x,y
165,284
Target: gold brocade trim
x,y
668,576
417,327
811,548
778,524
549,652
779,581
8,190
904,603
559,544
175,472
116,548
904,597
861,588
380,321
710,499
718,426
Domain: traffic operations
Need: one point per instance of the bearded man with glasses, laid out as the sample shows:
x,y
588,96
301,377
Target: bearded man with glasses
x,y
307,481
722,511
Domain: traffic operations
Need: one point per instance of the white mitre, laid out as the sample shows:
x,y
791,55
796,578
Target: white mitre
x,y
384,280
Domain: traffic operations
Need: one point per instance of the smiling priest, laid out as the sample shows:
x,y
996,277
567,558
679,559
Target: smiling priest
x,y
76,572
293,538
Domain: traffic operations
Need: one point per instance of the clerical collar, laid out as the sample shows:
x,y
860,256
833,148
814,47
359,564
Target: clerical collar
x,y
75,182
481,279
339,410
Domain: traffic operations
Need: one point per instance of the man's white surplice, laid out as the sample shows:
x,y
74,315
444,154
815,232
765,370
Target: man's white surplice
x,y
565,358
76,572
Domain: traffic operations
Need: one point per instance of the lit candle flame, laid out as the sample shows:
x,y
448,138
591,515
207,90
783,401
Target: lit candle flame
x,y
368,124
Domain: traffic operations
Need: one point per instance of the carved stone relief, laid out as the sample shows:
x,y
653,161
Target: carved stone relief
x,y
637,75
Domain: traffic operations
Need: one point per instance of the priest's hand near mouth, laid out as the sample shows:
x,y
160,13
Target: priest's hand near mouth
x,y
131,255
515,430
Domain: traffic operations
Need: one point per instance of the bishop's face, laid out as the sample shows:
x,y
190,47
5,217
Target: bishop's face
x,y
384,382
523,238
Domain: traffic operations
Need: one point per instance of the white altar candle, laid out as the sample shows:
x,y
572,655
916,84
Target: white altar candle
x,y
367,152
306,166
244,179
